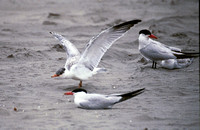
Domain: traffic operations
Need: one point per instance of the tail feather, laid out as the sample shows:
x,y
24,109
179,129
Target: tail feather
x,y
187,55
99,70
129,95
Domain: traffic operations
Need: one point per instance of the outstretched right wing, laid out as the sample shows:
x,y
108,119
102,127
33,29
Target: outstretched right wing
x,y
101,43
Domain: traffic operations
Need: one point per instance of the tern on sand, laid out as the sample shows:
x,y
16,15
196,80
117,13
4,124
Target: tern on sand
x,y
173,63
156,51
83,66
98,101
176,63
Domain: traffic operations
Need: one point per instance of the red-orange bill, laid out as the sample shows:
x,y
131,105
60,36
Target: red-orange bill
x,y
152,36
68,93
55,75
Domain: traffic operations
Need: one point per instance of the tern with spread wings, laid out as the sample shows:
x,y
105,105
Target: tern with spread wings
x,y
83,66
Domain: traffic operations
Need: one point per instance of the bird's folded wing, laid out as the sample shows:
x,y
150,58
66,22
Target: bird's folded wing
x,y
94,101
170,47
173,48
157,52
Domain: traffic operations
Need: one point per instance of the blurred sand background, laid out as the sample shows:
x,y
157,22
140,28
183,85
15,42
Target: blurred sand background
x,y
29,55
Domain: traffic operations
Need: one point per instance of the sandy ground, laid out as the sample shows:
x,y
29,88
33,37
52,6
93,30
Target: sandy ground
x,y
29,55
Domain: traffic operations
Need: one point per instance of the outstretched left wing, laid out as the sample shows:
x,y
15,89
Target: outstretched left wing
x,y
70,49
72,52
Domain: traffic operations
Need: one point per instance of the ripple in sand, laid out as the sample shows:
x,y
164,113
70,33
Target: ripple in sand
x,y
53,15
49,23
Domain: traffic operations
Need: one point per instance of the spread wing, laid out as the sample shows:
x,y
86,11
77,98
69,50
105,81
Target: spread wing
x,y
98,45
72,52
70,49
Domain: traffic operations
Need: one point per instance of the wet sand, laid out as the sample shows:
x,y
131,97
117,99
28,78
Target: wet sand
x,y
29,55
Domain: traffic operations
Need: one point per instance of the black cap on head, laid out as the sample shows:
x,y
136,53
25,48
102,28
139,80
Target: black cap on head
x,y
145,32
60,71
79,90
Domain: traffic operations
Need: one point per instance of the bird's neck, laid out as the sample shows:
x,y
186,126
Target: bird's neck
x,y
143,41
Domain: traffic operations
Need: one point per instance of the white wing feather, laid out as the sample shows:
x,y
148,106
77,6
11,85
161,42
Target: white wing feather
x,y
73,55
70,49
98,45
98,101
170,47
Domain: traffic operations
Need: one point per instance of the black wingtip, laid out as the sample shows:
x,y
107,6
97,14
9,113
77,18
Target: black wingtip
x,y
131,94
190,53
137,92
51,32
131,22
186,55
135,21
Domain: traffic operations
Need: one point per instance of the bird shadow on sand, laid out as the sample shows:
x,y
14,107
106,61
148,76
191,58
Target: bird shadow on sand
x,y
105,109
88,86
148,67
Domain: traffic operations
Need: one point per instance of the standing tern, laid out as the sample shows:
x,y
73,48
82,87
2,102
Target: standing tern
x,y
156,51
83,66
98,101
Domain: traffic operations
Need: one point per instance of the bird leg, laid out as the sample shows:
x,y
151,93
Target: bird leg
x,y
80,84
154,65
